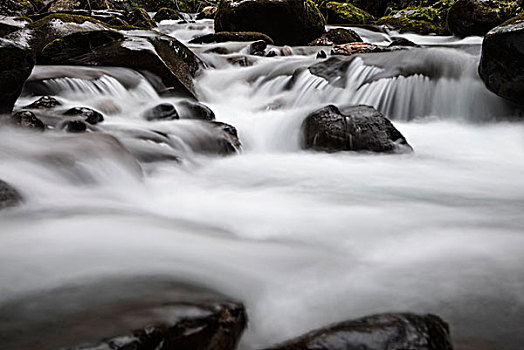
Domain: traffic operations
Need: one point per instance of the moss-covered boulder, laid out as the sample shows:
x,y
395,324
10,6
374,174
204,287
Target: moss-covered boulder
x,y
346,13
336,37
20,7
477,17
140,18
17,63
166,13
502,61
421,20
287,22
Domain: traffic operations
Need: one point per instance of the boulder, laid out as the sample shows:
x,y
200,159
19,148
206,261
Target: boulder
x,y
231,36
9,196
44,102
420,20
27,120
477,17
379,332
257,48
164,111
73,125
17,63
195,110
85,114
336,37
354,48
291,22
355,128
140,18
502,60
346,13
166,13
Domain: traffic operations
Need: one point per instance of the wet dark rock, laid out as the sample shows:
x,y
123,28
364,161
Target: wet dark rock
x,y
17,63
354,48
11,24
87,114
219,50
353,128
242,61
257,48
165,14
346,13
140,18
27,120
291,22
207,12
477,17
73,125
379,332
195,110
272,53
164,111
502,61
321,54
44,102
231,36
401,42
336,37
228,142
9,196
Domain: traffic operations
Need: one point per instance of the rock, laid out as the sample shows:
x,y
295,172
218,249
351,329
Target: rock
x,y
355,128
477,17
17,63
86,114
321,54
420,20
354,48
272,53
27,120
166,14
11,24
207,12
196,110
257,48
73,125
378,332
286,51
140,18
44,102
164,111
376,8
231,36
501,64
346,13
291,22
401,42
336,37
9,196
228,142
20,7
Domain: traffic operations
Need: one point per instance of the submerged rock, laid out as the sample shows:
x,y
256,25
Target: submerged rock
x,y
231,36
477,17
17,63
73,125
336,37
27,120
196,110
291,22
502,61
9,196
355,128
379,332
86,114
164,111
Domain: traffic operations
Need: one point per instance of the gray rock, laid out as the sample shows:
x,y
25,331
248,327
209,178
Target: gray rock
x,y
9,196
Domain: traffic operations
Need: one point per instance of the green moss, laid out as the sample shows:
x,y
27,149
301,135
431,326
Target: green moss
x,y
67,18
346,13
422,20
23,18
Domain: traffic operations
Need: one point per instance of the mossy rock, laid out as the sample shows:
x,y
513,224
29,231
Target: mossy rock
x,y
20,8
140,18
420,20
166,13
475,17
337,36
78,19
346,13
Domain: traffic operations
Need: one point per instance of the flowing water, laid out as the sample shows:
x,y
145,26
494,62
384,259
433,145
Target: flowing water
x,y
302,238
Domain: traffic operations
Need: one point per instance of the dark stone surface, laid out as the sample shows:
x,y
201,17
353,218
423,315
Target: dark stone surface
x,y
354,128
140,18
17,63
9,196
166,13
27,120
379,332
477,17
73,125
231,36
196,110
11,24
164,111
354,48
336,37
20,8
44,102
502,61
87,114
291,22
257,48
